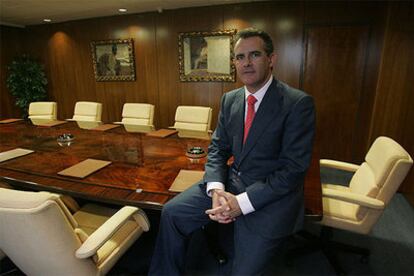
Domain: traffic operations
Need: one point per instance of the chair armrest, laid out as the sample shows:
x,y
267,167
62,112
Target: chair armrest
x,y
362,200
108,229
338,165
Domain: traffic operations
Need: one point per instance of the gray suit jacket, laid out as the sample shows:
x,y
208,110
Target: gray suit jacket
x,y
272,164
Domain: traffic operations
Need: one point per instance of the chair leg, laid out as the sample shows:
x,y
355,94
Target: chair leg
x,y
350,248
333,261
311,243
327,246
326,236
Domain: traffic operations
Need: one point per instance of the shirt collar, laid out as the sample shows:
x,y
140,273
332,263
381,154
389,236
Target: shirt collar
x,y
259,93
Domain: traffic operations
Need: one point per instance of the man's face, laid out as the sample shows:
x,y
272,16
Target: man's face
x,y
253,65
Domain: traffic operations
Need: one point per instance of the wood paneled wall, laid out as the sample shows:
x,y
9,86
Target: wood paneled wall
x,y
333,50
393,114
10,46
342,50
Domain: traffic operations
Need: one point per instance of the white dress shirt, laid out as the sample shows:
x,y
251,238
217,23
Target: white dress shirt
x,y
243,200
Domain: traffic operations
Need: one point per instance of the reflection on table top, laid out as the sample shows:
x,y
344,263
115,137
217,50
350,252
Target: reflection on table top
x,y
140,163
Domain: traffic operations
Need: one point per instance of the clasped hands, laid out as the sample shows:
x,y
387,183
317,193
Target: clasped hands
x,y
225,207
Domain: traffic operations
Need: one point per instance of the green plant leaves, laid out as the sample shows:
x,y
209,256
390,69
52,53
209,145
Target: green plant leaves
x,y
27,82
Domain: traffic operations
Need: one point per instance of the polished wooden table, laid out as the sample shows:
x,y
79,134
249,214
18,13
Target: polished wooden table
x,y
142,168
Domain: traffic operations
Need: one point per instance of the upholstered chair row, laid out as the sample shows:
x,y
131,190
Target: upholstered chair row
x,y
86,114
190,121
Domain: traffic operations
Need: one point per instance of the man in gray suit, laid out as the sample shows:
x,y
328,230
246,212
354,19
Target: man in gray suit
x,y
268,128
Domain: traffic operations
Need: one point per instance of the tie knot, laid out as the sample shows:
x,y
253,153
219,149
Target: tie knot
x,y
251,100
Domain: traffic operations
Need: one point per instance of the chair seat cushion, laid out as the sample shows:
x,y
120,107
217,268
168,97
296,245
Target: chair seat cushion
x,y
340,209
135,121
190,126
83,118
90,217
335,187
42,117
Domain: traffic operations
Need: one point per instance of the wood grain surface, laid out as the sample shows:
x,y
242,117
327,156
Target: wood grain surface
x,y
139,163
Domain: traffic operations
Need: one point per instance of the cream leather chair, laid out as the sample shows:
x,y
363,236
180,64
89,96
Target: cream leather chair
x,y
87,114
41,236
358,207
193,121
138,117
42,112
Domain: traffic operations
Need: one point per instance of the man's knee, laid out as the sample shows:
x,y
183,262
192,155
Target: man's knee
x,y
169,209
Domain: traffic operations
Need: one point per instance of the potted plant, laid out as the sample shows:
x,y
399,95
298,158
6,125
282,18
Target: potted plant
x,y
26,82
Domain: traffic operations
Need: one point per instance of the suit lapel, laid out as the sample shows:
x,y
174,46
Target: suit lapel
x,y
268,109
237,113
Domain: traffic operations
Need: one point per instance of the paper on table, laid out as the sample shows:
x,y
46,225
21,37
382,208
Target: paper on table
x,y
185,179
162,133
52,124
10,154
105,127
84,168
8,121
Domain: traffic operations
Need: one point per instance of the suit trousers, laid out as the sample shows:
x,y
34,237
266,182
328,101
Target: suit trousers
x,y
186,213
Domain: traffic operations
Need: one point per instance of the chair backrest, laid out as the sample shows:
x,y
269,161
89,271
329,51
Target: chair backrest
x,y
138,114
42,112
38,234
195,118
88,112
385,167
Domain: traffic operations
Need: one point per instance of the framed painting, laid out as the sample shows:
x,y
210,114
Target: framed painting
x,y
113,60
206,56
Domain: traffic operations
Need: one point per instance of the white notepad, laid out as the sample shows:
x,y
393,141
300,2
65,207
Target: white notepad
x,y
185,179
10,154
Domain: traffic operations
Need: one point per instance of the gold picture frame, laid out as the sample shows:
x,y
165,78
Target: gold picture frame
x,y
206,56
113,60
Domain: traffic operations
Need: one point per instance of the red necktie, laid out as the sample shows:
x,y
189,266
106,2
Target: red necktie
x,y
250,115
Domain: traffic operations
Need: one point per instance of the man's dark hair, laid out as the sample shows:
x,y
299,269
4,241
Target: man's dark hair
x,y
251,32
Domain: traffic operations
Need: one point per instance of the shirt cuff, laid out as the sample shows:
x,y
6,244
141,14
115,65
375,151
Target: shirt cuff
x,y
212,186
244,203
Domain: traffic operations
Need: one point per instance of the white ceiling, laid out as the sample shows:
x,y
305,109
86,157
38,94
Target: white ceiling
x,y
32,12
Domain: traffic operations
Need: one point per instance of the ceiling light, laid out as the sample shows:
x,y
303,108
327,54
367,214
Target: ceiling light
x,y
47,20
122,10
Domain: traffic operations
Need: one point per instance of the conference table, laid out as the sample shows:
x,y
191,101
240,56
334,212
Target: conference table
x,y
140,174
